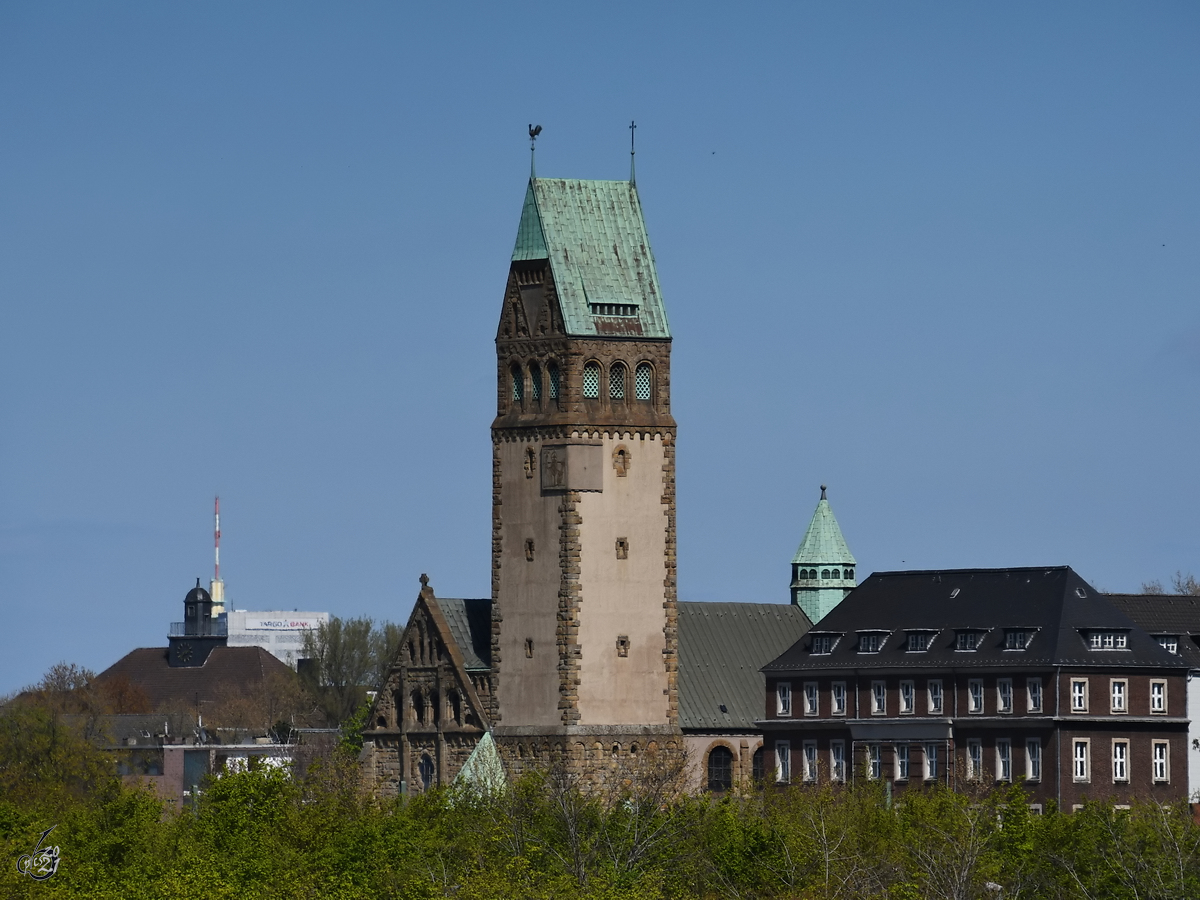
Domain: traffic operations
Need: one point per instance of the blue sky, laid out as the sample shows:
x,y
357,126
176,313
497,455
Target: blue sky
x,y
941,257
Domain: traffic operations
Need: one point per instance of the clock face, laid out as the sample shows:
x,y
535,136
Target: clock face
x,y
185,652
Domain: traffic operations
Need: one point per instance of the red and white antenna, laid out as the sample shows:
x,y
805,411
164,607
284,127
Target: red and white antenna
x,y
217,539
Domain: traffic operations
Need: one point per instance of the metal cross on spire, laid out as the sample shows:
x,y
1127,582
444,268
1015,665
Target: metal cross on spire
x,y
632,170
534,131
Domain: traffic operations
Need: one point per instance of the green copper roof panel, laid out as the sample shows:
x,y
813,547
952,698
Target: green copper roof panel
x,y
595,238
823,543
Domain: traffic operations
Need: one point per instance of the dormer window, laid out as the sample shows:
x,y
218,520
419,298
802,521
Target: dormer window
x,y
1169,642
822,644
623,310
1017,638
1108,640
919,641
968,640
871,641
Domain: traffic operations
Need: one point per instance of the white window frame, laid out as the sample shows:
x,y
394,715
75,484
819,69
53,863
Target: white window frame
x,y
822,645
902,762
908,698
1033,695
783,699
1004,759
874,762
871,642
1081,760
1120,761
1033,759
935,696
783,762
975,696
810,761
1160,761
974,759
837,698
931,762
1004,695
879,698
1079,695
1158,699
1118,695
1169,642
837,761
812,699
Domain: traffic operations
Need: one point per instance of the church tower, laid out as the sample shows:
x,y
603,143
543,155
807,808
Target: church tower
x,y
583,504
823,567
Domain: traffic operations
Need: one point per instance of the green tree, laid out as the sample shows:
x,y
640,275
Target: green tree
x,y
349,657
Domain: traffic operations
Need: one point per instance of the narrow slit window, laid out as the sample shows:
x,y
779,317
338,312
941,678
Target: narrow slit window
x,y
535,382
552,371
518,384
591,381
643,382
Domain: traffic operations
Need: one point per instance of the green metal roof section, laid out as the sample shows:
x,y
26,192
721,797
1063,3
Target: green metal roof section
x,y
823,543
594,236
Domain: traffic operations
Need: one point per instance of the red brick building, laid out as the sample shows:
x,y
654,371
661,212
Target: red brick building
x,y
982,676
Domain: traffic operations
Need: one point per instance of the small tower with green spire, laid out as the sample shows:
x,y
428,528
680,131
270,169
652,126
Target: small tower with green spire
x,y
823,567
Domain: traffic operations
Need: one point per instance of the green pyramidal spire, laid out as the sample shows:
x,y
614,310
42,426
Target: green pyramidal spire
x,y
823,567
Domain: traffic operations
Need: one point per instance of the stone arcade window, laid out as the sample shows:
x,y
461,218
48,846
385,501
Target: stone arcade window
x,y
643,381
720,769
591,380
518,384
535,382
552,372
616,381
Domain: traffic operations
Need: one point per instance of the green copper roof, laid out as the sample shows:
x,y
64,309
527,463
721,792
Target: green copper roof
x,y
595,238
823,543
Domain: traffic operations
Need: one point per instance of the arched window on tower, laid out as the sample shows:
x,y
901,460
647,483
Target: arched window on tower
x,y
643,381
535,383
591,380
849,573
616,381
552,372
834,574
518,384
824,573
720,769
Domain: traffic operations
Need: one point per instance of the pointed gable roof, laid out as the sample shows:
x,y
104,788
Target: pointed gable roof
x,y
823,543
594,236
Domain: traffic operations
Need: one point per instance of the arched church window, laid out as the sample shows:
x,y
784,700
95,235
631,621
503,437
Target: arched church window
x,y
616,381
552,371
535,382
591,380
849,573
756,765
824,573
720,769
834,574
425,769
518,384
418,705
455,706
643,381
434,708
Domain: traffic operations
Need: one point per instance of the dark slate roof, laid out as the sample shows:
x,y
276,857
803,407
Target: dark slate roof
x,y
1174,614
226,669
721,648
1055,603
470,623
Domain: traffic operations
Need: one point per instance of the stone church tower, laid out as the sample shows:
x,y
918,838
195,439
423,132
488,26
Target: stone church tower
x,y
584,645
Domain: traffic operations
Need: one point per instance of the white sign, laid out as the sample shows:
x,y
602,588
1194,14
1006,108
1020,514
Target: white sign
x,y
285,624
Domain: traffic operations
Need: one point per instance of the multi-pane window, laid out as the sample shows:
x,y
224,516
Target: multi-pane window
x,y
1159,757
616,381
1003,759
874,762
1120,761
1033,759
720,769
1004,695
968,640
838,694
837,760
974,759
518,384
869,643
908,696
1079,759
591,380
1169,642
810,698
918,641
878,698
935,697
1120,688
643,381
552,371
975,695
783,761
1158,696
1016,639
783,698
810,761
902,762
1033,687
1108,640
931,761
822,644
535,382
1079,695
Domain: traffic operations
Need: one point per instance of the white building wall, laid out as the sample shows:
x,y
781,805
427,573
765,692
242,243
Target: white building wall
x,y
279,632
